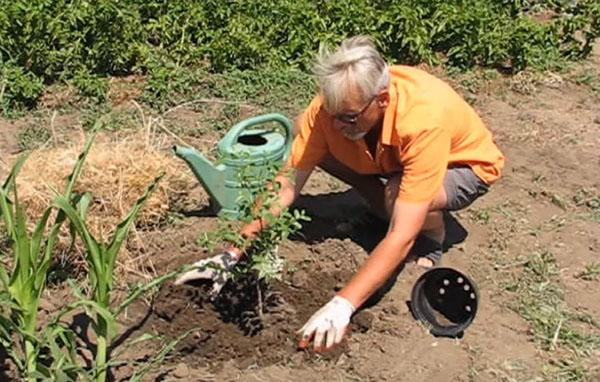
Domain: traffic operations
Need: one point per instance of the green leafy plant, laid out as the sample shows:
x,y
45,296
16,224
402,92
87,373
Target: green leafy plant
x,y
22,288
101,259
63,41
32,137
50,351
259,202
19,88
91,86
591,272
541,303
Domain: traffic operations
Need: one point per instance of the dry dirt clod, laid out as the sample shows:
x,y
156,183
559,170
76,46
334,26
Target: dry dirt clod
x,y
299,279
181,371
363,321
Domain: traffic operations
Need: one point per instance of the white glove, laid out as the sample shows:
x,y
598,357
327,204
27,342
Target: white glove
x,y
328,323
217,268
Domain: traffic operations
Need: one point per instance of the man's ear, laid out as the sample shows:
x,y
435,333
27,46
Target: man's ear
x,y
383,99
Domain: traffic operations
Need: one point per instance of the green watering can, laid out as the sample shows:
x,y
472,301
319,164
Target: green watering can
x,y
244,145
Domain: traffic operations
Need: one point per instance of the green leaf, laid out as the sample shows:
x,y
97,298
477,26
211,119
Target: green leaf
x,y
10,180
93,254
80,161
38,233
4,278
7,211
123,227
158,358
141,289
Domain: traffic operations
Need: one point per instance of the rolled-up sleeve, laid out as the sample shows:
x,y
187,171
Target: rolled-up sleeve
x,y
309,146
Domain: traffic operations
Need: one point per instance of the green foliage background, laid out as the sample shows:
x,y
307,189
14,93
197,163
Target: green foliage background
x,y
43,41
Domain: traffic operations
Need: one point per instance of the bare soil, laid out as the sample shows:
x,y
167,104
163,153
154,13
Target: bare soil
x,y
551,138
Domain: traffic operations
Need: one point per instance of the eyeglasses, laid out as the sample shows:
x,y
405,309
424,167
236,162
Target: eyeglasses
x,y
351,118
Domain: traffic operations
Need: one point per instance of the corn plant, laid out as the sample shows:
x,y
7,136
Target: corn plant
x,y
23,287
101,259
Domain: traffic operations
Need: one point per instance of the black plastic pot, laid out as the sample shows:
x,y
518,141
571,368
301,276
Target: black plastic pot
x,y
445,300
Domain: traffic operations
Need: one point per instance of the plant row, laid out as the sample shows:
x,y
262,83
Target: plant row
x,y
51,350
83,41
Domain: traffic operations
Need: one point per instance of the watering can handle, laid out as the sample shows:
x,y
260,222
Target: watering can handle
x,y
231,137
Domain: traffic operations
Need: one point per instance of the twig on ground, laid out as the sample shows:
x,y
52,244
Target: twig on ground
x,y
52,129
556,333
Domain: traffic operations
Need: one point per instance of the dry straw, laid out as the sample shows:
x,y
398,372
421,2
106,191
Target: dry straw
x,y
116,174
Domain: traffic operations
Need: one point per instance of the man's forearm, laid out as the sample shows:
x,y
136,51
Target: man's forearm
x,y
380,265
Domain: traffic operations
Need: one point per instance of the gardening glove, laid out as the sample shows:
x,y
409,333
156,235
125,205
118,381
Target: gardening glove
x,y
327,325
217,268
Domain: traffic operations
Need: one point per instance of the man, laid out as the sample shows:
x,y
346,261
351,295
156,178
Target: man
x,y
408,143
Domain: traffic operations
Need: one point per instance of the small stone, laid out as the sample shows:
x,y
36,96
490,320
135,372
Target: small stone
x,y
247,363
391,310
363,321
597,120
181,371
299,279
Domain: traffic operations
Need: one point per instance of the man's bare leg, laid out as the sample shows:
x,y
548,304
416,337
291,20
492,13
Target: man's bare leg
x,y
434,229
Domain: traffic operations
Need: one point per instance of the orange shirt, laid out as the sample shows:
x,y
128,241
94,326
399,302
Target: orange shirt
x,y
427,126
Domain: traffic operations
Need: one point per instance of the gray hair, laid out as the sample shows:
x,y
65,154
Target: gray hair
x,y
356,63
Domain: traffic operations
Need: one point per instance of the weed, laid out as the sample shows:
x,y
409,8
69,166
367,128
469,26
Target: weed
x,y
266,89
168,84
481,216
564,370
541,304
591,272
91,86
538,178
32,137
112,119
587,197
19,88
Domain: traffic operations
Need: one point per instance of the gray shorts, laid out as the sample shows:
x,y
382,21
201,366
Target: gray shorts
x,y
462,187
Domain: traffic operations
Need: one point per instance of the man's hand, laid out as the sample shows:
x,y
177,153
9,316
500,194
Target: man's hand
x,y
217,268
328,325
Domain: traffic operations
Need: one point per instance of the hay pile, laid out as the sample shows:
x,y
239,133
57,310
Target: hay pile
x,y
116,174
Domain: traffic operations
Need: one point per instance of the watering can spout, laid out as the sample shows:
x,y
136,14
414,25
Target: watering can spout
x,y
210,176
